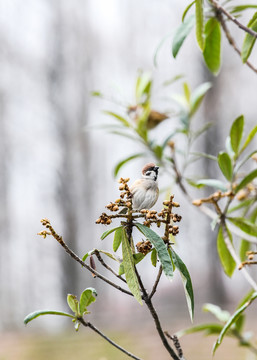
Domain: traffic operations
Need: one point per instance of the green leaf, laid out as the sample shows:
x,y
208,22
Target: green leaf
x,y
186,10
246,298
212,49
124,161
236,133
107,253
73,303
249,40
38,313
215,310
246,180
249,139
118,117
244,247
199,17
198,95
181,33
187,92
241,8
209,329
158,150
136,257
143,85
217,184
244,224
226,259
108,232
160,247
186,279
241,205
232,321
85,257
154,257
225,165
87,297
117,239
129,268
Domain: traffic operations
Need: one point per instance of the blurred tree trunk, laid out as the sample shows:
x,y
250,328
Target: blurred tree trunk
x,y
68,95
212,145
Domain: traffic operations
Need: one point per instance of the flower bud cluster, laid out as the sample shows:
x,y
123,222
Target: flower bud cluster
x,y
104,219
213,198
144,247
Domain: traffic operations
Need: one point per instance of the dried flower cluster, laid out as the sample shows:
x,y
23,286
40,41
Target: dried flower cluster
x,y
213,198
123,208
250,261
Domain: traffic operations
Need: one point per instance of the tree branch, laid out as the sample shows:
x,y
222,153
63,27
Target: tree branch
x,y
46,223
232,18
232,41
156,283
92,327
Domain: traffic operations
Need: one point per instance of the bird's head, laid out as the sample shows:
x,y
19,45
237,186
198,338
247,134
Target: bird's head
x,y
150,171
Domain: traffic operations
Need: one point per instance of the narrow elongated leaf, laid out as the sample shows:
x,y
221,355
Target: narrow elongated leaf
x,y
73,303
232,321
212,48
198,95
124,161
225,165
249,40
118,117
215,310
236,133
129,268
87,297
217,184
244,247
199,23
38,313
186,279
136,257
241,205
117,239
246,180
181,34
208,329
187,9
154,257
249,138
226,259
245,225
160,247
108,232
240,8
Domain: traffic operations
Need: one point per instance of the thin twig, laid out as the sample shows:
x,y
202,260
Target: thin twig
x,y
176,343
155,316
232,18
101,260
156,283
60,240
232,41
91,326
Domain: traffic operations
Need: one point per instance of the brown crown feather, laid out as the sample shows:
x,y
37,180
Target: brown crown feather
x,y
147,167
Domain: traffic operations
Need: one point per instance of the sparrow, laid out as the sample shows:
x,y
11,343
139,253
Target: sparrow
x,y
145,191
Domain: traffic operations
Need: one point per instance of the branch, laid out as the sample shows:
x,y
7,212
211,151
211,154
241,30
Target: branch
x,y
232,18
232,41
156,283
59,238
92,327
176,343
101,260
155,316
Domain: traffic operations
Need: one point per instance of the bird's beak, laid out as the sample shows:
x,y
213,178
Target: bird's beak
x,y
156,168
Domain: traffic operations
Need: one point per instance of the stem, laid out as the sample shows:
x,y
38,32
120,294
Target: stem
x,y
154,314
81,262
92,327
156,283
100,259
232,18
232,41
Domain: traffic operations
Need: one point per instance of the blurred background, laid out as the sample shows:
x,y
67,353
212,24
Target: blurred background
x,y
56,162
